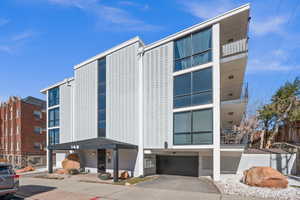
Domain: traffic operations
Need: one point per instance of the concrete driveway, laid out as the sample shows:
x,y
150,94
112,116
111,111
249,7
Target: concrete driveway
x,y
181,183
165,187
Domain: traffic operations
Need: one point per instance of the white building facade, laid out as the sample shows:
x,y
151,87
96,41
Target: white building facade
x,y
160,108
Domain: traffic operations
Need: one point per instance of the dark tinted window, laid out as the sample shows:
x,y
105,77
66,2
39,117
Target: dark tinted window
x,y
182,84
53,97
101,97
182,48
202,80
192,50
193,88
201,41
53,117
53,136
193,127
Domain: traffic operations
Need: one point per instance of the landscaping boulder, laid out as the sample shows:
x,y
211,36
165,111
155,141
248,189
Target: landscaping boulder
x,y
26,169
70,164
264,177
61,171
124,175
74,157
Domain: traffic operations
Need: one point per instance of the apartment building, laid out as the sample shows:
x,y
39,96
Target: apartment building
x,y
160,108
23,131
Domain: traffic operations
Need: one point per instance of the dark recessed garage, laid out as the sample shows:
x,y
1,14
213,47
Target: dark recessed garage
x,y
177,165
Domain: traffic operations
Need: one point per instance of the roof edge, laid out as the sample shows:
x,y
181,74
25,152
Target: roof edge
x,y
109,51
198,26
43,91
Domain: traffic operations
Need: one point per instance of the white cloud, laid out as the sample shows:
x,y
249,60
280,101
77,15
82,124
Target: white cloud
x,y
23,35
257,65
3,21
134,4
13,43
109,17
270,25
206,10
6,49
75,3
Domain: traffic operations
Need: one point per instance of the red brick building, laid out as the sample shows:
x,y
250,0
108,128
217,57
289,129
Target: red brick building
x,y
23,131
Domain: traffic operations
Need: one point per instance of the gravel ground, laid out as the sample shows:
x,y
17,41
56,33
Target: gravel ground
x,y
231,184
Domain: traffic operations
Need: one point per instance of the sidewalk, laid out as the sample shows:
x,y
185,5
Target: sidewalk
x,y
70,189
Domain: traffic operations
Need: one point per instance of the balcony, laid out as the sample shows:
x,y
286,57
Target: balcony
x,y
234,138
233,48
232,113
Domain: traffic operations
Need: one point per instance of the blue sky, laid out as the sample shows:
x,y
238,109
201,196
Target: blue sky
x,y
40,40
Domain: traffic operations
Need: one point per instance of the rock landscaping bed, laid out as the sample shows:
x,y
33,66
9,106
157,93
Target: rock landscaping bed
x,y
50,176
136,180
232,185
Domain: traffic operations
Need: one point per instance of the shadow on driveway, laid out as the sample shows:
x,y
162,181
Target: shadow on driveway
x,y
181,183
30,190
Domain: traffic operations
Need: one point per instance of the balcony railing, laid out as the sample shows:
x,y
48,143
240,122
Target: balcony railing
x,y
230,137
236,47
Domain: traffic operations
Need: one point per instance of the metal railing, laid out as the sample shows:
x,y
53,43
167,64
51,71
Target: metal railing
x,y
235,47
230,137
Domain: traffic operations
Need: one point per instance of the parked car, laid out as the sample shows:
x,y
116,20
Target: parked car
x,y
9,180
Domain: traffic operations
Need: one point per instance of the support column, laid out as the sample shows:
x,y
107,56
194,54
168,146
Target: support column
x,y
216,164
116,164
216,100
50,161
139,166
200,170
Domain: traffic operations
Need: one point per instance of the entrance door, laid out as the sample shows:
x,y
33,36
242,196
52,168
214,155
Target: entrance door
x,y
101,160
177,165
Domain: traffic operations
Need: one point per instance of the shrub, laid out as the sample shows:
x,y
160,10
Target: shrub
x,y
104,176
73,171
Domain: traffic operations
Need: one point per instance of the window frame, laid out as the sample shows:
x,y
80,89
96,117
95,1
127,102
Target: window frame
x,y
53,101
191,57
101,95
192,93
52,136
192,131
55,121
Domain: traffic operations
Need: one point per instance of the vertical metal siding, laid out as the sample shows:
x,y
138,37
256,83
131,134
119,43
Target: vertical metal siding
x,y
86,102
158,96
122,83
66,112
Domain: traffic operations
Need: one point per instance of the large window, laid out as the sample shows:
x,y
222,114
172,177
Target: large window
x,y
53,117
102,97
53,136
193,88
193,127
193,50
53,97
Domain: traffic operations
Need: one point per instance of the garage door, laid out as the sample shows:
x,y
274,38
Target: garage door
x,y
177,165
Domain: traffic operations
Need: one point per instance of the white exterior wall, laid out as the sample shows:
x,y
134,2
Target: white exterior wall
x,y
216,100
282,162
122,95
127,161
59,158
158,96
85,113
88,159
66,112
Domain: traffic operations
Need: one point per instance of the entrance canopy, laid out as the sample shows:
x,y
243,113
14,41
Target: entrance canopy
x,y
95,143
